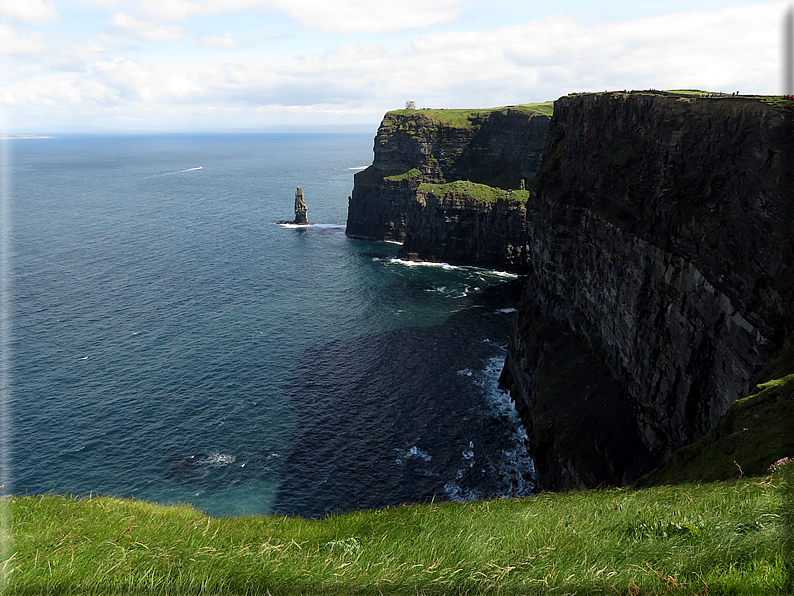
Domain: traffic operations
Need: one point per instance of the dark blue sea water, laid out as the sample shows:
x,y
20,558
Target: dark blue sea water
x,y
171,341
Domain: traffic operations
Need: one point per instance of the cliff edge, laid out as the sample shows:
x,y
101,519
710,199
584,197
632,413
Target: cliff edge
x,y
656,237
448,184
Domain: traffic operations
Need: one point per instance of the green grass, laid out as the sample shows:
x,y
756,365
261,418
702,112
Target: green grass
x,y
723,538
691,91
545,108
481,193
783,105
755,432
412,173
463,118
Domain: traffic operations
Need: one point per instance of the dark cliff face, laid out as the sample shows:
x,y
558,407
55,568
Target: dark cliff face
x,y
451,228
499,148
377,207
661,238
507,148
658,246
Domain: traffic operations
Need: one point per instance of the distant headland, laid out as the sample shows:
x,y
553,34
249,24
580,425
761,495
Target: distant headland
x,y
24,137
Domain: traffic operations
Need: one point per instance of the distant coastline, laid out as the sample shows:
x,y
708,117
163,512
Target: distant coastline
x,y
23,137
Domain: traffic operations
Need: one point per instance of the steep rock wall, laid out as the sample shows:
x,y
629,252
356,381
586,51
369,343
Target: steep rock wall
x,y
455,229
661,237
658,246
495,147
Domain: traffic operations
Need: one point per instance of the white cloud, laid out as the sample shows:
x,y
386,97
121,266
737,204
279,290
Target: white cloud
x,y
27,55
225,42
14,43
729,49
352,16
138,82
342,16
125,24
29,11
220,42
713,49
48,89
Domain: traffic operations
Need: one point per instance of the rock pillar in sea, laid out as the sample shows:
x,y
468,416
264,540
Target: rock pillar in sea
x,y
300,209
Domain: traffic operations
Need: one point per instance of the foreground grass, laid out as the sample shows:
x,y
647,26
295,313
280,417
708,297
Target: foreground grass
x,y
723,538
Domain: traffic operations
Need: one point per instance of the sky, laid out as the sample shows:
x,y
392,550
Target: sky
x,y
179,65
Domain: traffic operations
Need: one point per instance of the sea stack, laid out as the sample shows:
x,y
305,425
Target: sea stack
x,y
300,209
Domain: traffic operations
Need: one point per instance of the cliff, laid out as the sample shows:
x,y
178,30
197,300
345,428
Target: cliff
x,y
657,240
499,148
661,238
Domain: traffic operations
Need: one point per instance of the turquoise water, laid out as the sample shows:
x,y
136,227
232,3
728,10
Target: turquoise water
x,y
171,341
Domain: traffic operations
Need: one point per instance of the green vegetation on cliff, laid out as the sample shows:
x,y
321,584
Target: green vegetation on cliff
x,y
412,173
783,104
754,433
481,193
724,538
465,118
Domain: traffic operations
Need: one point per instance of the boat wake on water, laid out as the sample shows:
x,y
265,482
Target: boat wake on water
x,y
182,171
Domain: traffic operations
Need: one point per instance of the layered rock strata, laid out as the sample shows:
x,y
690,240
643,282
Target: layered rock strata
x,y
301,213
662,237
658,246
499,148
452,228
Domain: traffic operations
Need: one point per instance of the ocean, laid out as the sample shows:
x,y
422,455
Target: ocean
x,y
172,342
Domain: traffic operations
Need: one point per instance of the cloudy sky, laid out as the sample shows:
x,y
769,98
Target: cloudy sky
x,y
71,65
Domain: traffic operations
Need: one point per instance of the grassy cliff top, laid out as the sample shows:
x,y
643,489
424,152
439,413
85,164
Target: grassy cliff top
x,y
722,538
481,193
465,118
412,173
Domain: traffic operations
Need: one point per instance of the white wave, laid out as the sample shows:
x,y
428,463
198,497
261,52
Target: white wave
x,y
412,453
405,263
507,310
505,274
466,372
321,226
448,267
515,466
491,342
497,398
455,292
218,460
456,493
358,168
